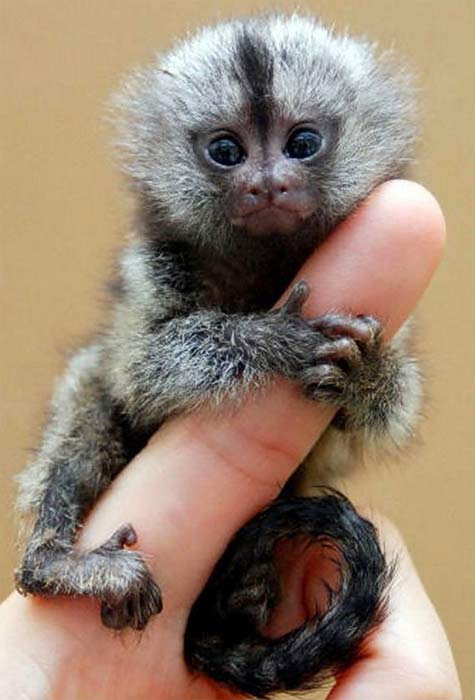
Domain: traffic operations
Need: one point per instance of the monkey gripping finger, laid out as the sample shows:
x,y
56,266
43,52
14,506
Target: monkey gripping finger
x,y
296,299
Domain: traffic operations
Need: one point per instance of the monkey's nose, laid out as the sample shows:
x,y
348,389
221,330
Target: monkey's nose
x,y
280,191
276,187
253,197
267,192
257,191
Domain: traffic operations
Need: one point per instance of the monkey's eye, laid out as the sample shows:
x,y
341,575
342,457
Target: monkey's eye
x,y
226,151
303,143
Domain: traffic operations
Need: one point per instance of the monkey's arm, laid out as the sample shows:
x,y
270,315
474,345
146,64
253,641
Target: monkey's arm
x,y
159,367
175,365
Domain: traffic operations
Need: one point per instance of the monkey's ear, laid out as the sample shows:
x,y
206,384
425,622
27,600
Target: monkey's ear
x,y
139,112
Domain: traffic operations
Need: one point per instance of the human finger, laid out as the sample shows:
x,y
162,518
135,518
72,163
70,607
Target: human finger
x,y
205,474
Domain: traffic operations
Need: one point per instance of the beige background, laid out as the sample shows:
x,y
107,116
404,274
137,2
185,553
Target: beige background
x,y
63,213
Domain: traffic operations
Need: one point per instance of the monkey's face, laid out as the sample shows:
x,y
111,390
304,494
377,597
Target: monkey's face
x,y
268,176
269,126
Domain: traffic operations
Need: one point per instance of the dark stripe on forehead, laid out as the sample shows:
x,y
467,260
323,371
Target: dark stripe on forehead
x,y
255,67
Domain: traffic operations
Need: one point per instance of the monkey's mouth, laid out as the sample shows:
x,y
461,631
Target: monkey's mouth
x,y
271,219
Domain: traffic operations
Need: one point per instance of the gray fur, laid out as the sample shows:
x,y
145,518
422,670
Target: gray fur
x,y
191,322
198,88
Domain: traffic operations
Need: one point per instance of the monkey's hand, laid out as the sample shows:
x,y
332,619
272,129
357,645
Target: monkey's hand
x,y
208,357
335,357
375,385
345,357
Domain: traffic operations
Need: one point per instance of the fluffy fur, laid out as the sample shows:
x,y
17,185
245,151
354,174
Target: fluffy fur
x,y
192,324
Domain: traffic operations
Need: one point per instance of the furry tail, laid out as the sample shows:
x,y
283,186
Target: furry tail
x,y
224,637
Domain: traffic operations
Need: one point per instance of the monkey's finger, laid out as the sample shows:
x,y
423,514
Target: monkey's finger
x,y
296,299
409,655
204,475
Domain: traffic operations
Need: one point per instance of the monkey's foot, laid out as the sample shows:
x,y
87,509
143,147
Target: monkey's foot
x,y
118,577
140,598
135,610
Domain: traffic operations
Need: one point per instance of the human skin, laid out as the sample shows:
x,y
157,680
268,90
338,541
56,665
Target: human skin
x,y
204,475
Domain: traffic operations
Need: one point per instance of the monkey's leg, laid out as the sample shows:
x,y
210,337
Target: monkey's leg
x,y
226,635
378,392
82,451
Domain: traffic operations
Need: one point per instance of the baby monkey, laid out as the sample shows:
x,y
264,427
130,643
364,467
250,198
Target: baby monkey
x,y
244,147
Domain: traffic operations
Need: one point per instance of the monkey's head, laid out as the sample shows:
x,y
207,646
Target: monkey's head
x,y
270,126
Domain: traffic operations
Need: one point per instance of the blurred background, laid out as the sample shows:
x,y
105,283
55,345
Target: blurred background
x,y
63,214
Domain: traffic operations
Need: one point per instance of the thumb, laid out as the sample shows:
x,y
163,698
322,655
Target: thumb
x,y
408,657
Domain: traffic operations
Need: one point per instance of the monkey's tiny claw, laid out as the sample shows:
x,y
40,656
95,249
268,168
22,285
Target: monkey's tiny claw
x,y
373,325
18,585
296,299
339,349
365,330
125,536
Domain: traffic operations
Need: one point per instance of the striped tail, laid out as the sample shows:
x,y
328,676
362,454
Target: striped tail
x,y
225,640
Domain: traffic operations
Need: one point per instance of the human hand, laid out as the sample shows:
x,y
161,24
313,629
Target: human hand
x,y
203,476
